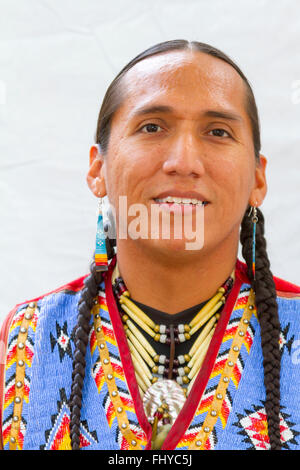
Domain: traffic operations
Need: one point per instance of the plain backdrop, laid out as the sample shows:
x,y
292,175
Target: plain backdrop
x,y
57,57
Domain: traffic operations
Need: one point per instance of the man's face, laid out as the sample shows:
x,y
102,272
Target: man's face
x,y
183,147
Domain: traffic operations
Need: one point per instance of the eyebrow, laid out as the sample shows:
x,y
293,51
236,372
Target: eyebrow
x,y
207,113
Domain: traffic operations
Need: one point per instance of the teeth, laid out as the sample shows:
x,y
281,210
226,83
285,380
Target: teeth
x,y
180,200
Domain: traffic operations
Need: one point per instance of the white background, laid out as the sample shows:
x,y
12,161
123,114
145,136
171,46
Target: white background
x,y
57,57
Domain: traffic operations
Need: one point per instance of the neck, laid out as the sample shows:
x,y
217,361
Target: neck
x,y
169,284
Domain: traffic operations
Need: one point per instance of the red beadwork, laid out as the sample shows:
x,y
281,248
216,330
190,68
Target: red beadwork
x,y
119,287
228,285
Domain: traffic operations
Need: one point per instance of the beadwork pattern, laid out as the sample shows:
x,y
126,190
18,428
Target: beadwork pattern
x,y
17,386
110,379
45,413
190,437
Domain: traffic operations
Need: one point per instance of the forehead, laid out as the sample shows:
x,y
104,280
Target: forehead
x,y
192,80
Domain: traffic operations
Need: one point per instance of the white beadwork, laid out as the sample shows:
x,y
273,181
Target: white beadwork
x,y
181,337
181,359
163,338
162,359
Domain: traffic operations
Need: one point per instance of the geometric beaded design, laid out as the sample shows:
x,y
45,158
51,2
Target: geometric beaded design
x,y
119,379
62,340
213,383
16,394
285,340
58,437
44,420
253,426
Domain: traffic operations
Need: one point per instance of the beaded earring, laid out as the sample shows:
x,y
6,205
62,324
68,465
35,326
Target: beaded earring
x,y
254,221
100,251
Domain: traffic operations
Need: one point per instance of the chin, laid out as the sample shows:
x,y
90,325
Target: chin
x,y
173,248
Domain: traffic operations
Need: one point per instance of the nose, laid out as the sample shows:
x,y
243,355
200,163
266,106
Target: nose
x,y
184,155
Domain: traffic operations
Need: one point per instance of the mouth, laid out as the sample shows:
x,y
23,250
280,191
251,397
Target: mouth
x,y
183,204
170,200
183,199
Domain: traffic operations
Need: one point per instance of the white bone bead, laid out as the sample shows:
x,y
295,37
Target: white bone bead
x,y
162,359
181,337
163,338
181,359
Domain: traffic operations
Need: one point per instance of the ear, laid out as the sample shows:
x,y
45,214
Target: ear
x,y
259,190
95,177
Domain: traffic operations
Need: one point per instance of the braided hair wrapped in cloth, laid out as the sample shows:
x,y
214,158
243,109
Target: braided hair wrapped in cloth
x,y
168,348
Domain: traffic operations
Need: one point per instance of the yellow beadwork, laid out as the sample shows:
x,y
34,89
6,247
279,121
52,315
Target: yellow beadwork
x,y
137,320
209,314
202,336
207,307
199,356
141,338
134,309
145,359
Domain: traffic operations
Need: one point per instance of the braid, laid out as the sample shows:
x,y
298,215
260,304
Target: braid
x,y
85,305
267,310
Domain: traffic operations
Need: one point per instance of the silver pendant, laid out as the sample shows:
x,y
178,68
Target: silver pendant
x,y
164,391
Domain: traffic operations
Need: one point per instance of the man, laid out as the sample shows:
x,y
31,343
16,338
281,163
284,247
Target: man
x,y
177,131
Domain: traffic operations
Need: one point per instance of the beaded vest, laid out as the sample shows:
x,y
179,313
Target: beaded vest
x,y
224,410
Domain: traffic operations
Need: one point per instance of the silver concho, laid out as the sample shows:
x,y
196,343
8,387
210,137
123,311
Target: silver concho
x,y
164,391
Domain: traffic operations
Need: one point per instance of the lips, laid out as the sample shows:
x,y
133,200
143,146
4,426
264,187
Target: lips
x,y
181,197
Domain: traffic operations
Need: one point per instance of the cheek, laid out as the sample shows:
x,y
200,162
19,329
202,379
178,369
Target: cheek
x,y
131,166
126,174
234,179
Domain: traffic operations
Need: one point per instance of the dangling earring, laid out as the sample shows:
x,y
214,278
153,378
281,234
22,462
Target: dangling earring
x,y
100,252
254,221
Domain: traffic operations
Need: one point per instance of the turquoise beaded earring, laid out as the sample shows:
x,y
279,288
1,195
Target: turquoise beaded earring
x,y
100,251
254,221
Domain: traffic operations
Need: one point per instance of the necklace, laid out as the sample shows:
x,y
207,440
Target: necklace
x,y
149,366
164,383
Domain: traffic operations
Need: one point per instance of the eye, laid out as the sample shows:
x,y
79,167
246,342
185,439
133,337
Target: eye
x,y
220,132
151,128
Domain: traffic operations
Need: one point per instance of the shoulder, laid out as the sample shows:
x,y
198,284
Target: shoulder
x,y
30,324
56,305
52,313
56,296
287,296
284,289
